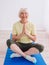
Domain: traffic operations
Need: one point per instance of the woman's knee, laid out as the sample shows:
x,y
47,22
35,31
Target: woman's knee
x,y
9,42
41,48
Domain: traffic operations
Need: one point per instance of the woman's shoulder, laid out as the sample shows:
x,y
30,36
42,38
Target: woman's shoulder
x,y
31,23
16,23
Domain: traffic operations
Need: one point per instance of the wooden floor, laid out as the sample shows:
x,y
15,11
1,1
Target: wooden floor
x,y
42,38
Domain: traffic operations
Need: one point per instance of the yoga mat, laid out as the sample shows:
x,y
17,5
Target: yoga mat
x,y
21,60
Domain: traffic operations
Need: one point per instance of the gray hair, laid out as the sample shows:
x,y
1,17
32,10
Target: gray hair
x,y
23,9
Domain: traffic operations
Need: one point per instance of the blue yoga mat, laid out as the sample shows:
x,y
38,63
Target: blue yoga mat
x,y
21,60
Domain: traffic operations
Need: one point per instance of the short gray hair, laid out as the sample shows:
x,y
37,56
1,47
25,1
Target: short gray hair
x,y
23,9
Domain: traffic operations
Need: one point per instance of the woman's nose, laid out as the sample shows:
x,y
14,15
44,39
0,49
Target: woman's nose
x,y
24,14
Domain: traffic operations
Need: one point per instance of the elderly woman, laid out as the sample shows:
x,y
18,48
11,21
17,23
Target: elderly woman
x,y
23,38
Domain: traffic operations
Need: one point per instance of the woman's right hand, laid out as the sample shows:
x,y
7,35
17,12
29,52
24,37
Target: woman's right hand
x,y
23,30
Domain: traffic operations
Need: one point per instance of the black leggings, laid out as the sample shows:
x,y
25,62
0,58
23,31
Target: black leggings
x,y
24,47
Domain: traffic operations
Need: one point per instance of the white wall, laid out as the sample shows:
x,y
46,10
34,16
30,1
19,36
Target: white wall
x,y
46,16
9,12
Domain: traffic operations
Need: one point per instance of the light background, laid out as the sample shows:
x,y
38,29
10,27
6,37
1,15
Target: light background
x,y
38,10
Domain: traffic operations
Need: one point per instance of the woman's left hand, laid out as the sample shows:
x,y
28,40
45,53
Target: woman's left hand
x,y
25,30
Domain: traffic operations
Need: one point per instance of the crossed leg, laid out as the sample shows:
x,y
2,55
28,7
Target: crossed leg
x,y
32,51
16,49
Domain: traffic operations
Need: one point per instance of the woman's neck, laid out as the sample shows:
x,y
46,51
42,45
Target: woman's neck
x,y
23,21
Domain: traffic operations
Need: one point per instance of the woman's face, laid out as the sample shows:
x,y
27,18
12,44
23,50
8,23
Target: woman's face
x,y
23,15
